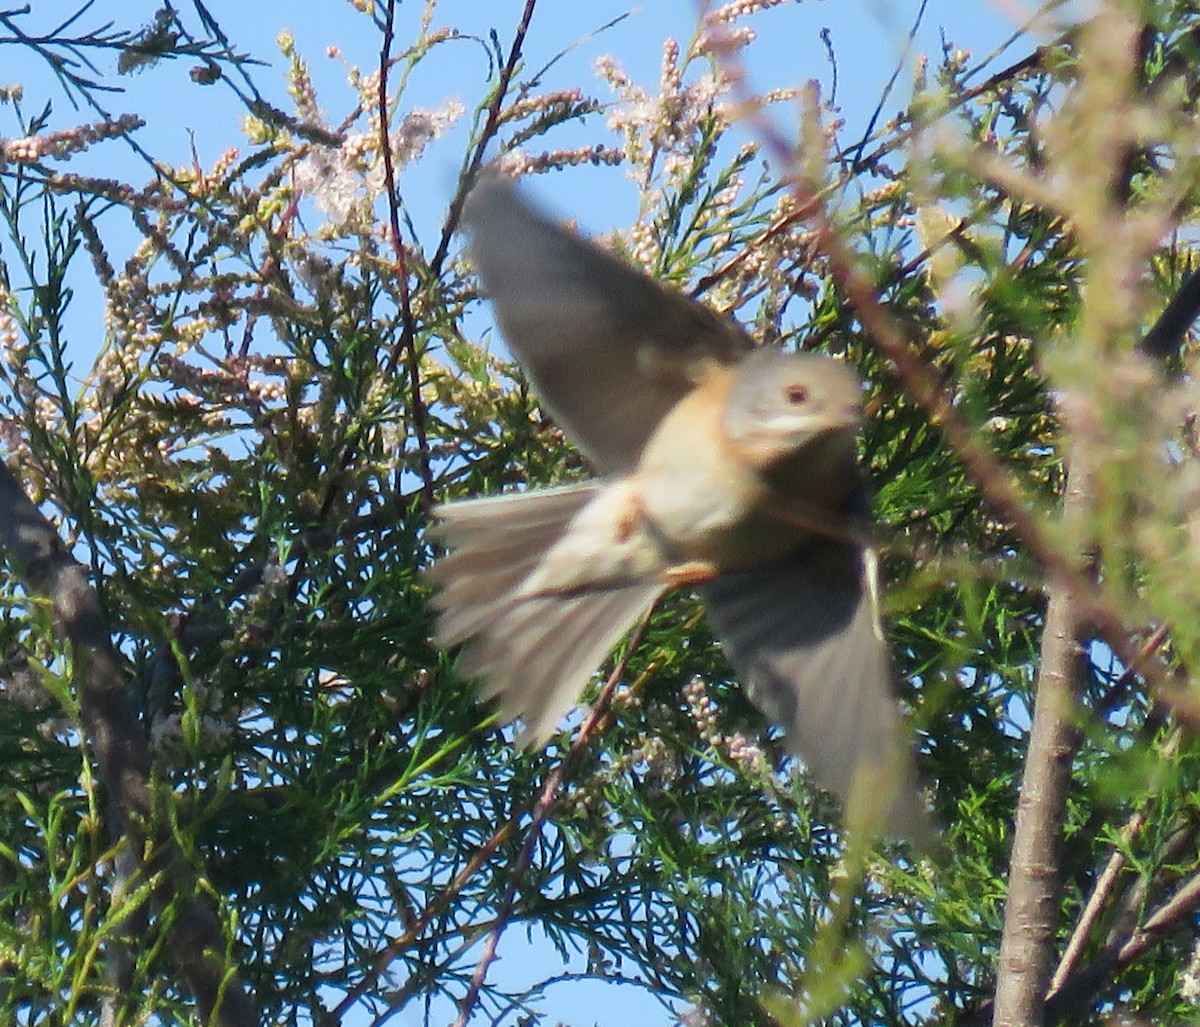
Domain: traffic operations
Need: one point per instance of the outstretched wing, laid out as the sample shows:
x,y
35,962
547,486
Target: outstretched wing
x,y
804,636
609,349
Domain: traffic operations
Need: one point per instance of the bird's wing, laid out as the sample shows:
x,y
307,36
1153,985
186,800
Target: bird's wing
x,y
804,636
609,349
534,653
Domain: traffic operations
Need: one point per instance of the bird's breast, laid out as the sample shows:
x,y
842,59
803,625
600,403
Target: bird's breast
x,y
700,500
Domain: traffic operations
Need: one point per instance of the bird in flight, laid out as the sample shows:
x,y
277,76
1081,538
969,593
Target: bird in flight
x,y
722,467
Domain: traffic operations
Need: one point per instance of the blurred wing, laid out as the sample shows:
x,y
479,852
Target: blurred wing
x,y
609,350
804,635
535,654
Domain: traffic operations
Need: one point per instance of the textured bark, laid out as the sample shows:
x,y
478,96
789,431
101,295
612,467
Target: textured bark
x,y
1027,955
1027,952
196,941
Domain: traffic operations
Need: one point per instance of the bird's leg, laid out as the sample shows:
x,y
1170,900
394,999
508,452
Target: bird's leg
x,y
629,518
632,518
690,574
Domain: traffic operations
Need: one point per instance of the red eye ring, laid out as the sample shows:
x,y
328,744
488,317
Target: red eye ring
x,y
796,394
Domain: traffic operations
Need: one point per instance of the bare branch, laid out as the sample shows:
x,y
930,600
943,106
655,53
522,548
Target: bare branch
x,y
1035,880
475,161
1081,987
195,939
407,346
595,720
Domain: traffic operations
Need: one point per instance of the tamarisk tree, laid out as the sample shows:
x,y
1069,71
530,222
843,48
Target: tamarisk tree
x,y
239,784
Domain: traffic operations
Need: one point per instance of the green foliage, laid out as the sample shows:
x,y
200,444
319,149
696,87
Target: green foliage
x,y
246,465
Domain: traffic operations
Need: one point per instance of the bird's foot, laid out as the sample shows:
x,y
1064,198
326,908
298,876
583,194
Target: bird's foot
x,y
690,574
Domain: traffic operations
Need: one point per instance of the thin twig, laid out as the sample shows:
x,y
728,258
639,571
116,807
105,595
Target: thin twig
x,y
1097,902
412,932
606,976
1031,62
475,162
407,346
596,718
1164,921
1105,887
1082,985
886,92
776,227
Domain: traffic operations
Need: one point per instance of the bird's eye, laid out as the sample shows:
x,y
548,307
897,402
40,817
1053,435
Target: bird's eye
x,y
796,394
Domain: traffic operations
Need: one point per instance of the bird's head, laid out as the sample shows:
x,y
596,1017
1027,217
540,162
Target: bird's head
x,y
780,403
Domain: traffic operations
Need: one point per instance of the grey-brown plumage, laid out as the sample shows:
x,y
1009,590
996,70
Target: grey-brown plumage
x,y
725,468
611,351
533,653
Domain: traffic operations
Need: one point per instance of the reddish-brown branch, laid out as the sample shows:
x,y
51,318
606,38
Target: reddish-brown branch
x,y
407,346
418,927
596,718
475,161
776,227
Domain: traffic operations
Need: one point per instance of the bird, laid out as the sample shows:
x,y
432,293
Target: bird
x,y
722,467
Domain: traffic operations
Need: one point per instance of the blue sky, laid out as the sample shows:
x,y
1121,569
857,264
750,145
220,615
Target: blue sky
x,y
869,38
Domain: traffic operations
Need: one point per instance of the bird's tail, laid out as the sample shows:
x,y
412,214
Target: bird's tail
x,y
533,652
